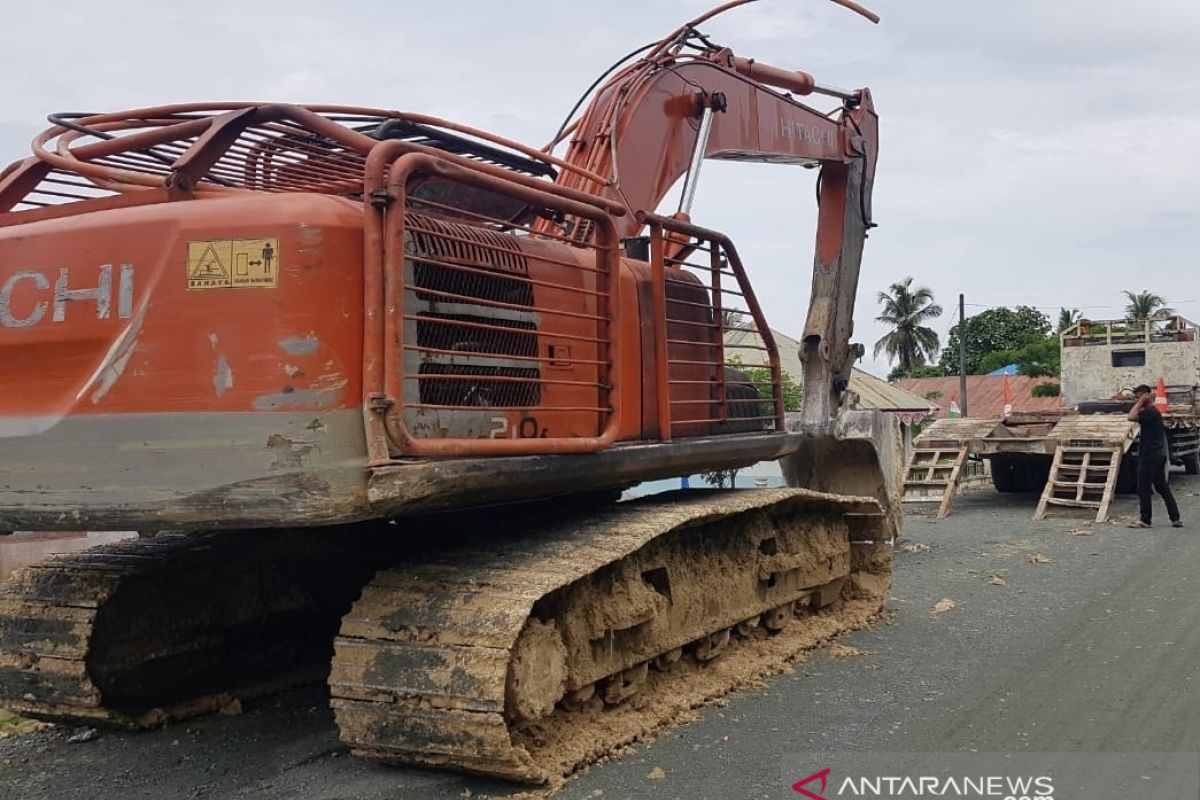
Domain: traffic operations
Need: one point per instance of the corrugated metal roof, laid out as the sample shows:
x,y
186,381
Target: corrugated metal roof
x,y
873,392
985,393
878,393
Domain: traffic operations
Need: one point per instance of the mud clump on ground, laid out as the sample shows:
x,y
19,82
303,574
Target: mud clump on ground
x,y
12,725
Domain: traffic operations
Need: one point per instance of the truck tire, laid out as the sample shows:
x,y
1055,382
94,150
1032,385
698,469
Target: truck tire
x,y
1191,463
1002,475
1037,473
1019,475
1127,476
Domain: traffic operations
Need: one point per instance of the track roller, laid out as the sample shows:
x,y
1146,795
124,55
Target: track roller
x,y
491,657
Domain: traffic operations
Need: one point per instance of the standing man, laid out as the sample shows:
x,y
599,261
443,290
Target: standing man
x,y
1152,458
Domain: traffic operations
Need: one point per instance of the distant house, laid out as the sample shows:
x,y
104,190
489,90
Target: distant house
x,y
871,392
985,394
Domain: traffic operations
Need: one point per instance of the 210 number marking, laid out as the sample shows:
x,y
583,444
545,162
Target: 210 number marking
x,y
526,428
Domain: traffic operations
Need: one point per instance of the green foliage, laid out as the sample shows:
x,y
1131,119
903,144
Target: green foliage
x,y
1040,357
993,330
995,360
934,395
720,478
792,392
1066,318
923,371
905,311
1146,305
1046,390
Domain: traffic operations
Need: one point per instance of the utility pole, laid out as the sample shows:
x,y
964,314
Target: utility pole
x,y
962,353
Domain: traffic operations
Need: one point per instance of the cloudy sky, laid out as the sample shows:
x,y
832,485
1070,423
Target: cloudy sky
x,y
1032,151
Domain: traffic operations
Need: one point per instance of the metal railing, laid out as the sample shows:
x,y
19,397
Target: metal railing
x,y
1129,331
497,338
723,373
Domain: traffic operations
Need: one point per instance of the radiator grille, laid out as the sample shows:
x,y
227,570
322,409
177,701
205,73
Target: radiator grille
x,y
473,315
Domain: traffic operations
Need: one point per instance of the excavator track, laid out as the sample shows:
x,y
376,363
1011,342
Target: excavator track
x,y
139,632
492,656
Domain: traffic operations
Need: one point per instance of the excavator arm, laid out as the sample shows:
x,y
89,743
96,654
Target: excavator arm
x,y
658,119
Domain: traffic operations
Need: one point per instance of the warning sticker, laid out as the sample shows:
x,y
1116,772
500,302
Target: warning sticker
x,y
233,263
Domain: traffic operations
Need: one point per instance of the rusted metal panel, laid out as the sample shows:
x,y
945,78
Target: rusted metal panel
x,y
184,470
443,484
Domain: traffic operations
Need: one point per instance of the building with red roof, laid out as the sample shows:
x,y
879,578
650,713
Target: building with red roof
x,y
985,394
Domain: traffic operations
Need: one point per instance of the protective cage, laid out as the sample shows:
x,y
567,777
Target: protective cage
x,y
723,372
499,327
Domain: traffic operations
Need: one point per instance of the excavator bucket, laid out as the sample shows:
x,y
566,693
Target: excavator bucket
x,y
864,456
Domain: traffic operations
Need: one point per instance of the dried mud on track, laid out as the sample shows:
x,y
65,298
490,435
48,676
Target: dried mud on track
x,y
1097,650
673,698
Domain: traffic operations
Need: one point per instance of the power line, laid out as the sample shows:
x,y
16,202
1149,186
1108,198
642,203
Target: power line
x,y
1079,308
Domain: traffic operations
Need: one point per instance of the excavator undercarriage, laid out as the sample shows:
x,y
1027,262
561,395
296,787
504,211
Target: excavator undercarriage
x,y
498,653
143,631
488,657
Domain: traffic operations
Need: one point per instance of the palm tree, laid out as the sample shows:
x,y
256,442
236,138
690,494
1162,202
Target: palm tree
x,y
1147,305
906,310
1066,318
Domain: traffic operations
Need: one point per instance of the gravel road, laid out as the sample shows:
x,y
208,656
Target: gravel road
x,y
1063,636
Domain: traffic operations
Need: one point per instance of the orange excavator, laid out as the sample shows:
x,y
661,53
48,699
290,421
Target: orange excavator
x,y
369,384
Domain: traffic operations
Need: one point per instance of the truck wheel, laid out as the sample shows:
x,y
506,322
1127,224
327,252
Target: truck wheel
x,y
1191,463
1020,477
1002,475
1038,473
1127,476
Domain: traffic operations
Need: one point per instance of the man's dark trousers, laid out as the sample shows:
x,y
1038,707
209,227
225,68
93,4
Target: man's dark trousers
x,y
1153,472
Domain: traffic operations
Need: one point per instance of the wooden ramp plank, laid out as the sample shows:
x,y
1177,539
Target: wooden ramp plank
x,y
1077,463
933,474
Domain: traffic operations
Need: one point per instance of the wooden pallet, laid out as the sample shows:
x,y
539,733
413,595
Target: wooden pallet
x,y
932,475
1082,475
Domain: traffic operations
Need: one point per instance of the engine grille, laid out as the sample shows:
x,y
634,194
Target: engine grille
x,y
474,316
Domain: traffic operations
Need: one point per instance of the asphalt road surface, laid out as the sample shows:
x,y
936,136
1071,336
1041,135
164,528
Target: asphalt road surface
x,y
1063,636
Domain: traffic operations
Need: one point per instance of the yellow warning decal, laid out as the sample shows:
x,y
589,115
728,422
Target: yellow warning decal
x,y
233,263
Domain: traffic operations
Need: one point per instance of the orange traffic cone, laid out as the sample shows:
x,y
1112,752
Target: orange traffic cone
x,y
1160,396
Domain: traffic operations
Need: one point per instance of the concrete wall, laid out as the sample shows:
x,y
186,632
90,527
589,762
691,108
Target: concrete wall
x,y
1088,373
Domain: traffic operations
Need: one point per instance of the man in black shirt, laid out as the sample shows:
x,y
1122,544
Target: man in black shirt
x,y
1152,458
